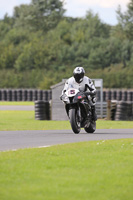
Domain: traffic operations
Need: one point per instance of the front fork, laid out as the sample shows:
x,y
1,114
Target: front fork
x,y
79,114
76,107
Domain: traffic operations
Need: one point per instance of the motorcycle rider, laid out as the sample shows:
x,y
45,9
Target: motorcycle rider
x,y
84,84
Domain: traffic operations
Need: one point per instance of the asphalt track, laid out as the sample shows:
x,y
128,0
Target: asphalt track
x,y
13,140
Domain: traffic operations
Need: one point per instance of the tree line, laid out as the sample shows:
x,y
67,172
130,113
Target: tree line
x,y
39,46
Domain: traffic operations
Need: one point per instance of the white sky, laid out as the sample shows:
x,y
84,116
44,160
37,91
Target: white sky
x,y
76,8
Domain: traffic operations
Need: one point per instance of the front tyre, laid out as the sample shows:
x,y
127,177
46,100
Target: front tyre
x,y
91,128
74,120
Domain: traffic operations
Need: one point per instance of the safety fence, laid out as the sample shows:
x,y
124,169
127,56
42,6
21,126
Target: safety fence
x,y
104,109
25,95
116,94
46,95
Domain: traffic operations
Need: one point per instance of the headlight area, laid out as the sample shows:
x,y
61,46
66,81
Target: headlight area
x,y
65,99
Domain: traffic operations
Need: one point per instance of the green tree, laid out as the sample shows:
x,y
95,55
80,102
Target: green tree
x,y
24,16
8,56
5,26
126,20
40,14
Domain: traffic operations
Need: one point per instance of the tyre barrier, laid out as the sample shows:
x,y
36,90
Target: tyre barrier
x,y
46,95
25,95
42,110
119,110
113,110
124,111
116,94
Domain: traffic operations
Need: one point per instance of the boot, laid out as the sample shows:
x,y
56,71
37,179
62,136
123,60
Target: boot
x,y
94,115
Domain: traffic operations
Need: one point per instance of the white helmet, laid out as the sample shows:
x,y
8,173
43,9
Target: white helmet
x,y
78,74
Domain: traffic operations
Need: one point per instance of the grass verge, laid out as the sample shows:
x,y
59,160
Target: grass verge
x,y
14,103
96,170
25,120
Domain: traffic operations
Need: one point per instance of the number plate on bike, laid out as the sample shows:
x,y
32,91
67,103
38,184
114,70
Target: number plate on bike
x,y
72,92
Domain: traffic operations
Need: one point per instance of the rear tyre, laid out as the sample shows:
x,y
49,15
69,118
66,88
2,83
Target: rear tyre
x,y
91,128
74,120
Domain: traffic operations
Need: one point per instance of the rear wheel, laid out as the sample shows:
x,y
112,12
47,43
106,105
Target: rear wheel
x,y
74,120
91,128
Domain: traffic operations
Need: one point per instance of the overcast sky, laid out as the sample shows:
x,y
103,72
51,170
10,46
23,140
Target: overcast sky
x,y
76,8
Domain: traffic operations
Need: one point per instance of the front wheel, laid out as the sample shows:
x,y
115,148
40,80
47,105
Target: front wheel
x,y
74,120
91,128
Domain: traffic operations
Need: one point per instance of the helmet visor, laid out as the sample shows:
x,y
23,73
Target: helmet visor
x,y
78,77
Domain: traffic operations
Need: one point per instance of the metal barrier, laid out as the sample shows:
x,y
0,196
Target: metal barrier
x,y
98,109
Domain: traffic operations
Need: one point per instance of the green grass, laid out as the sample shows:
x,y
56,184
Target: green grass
x,y
96,170
16,103
25,120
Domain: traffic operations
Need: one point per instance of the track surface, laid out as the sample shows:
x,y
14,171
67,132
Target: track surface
x,y
12,140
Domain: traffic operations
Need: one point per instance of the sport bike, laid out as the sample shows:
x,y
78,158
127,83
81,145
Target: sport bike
x,y
78,109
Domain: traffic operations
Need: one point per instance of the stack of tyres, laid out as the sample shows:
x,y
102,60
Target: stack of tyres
x,y
9,95
19,95
35,95
29,95
114,95
109,94
24,95
113,110
45,95
14,95
119,95
129,96
40,95
104,96
124,111
4,95
42,110
124,95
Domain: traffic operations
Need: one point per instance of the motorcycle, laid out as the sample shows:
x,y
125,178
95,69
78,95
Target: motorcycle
x,y
78,109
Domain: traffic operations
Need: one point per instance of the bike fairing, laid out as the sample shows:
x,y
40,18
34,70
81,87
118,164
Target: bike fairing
x,y
84,86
